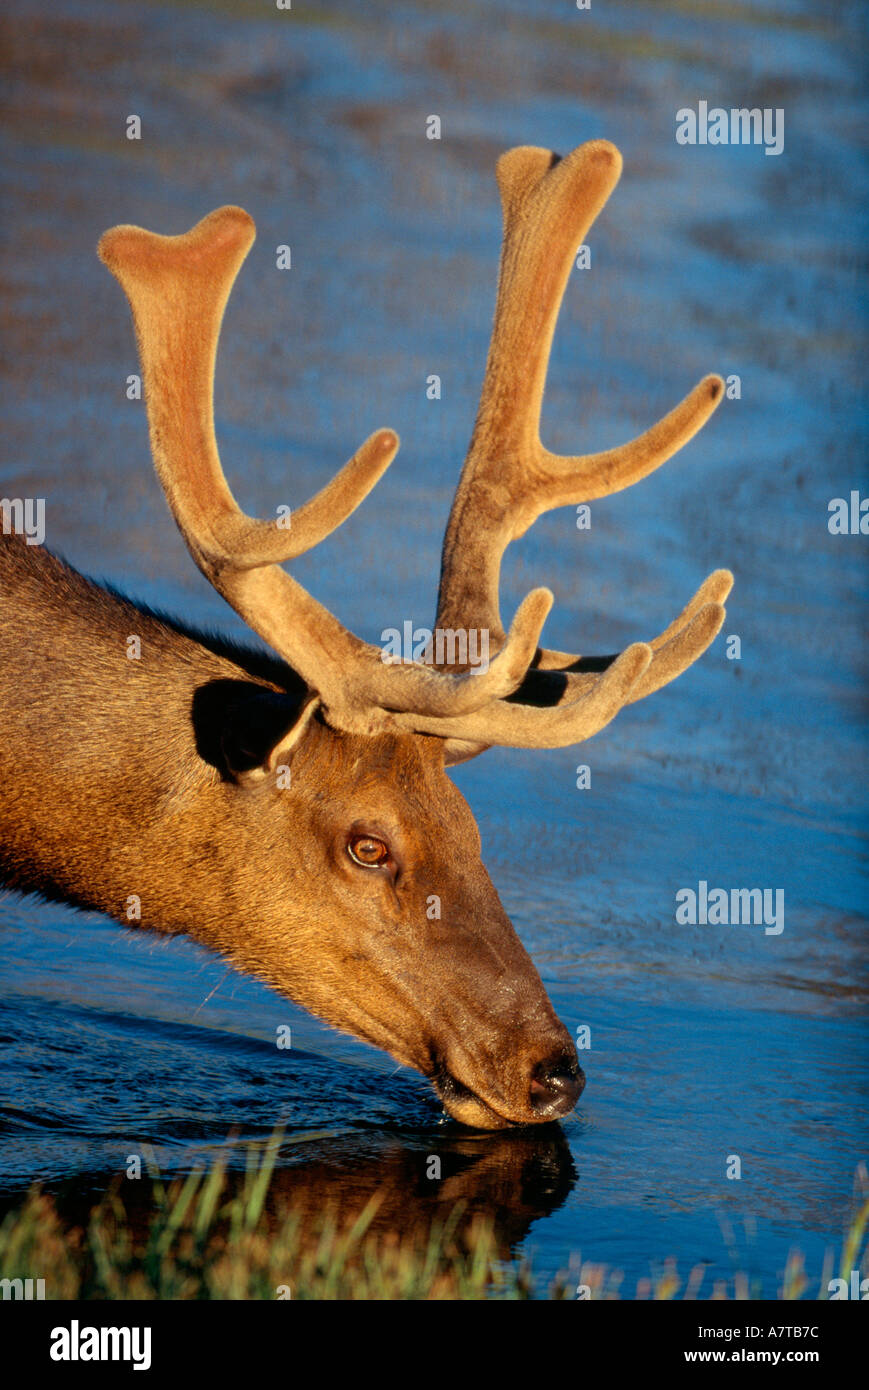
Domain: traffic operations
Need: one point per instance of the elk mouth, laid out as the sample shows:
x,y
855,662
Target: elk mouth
x,y
464,1105
469,1108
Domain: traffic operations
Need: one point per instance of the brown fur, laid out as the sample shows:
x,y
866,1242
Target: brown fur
x,y
117,778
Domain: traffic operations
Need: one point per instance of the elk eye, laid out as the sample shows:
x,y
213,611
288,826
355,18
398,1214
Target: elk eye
x,y
368,851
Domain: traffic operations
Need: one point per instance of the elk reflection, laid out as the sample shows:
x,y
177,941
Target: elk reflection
x,y
511,1179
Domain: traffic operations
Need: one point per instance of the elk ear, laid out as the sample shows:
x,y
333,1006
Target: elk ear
x,y
263,735
458,750
246,730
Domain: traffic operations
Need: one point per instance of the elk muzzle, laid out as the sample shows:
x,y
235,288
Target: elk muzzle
x,y
511,1066
544,1088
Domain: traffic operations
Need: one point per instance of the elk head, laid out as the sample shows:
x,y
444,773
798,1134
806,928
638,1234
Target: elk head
x,y
371,832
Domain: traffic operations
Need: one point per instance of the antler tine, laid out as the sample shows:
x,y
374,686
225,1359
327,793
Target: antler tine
x,y
178,288
556,710
558,725
509,478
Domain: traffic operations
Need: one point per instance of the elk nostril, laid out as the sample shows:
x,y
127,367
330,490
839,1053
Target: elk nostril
x,y
556,1085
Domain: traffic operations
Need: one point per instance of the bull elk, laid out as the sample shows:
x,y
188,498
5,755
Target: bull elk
x,y
161,777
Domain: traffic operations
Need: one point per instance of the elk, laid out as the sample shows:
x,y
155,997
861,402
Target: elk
x,y
161,777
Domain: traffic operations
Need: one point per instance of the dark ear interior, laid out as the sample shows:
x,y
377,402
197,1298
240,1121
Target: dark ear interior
x,y
239,726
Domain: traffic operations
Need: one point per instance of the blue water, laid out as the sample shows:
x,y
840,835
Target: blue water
x,y
706,1041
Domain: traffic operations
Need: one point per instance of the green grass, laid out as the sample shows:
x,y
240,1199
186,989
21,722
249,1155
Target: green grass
x,y
206,1237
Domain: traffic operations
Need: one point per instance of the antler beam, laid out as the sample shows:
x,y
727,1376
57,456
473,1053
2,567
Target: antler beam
x,y
509,477
178,288
529,697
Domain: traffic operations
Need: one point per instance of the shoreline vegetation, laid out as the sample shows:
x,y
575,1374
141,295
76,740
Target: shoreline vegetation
x,y
202,1238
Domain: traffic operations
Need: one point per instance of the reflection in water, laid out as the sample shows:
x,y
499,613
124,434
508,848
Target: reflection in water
x,y
512,1179
416,1186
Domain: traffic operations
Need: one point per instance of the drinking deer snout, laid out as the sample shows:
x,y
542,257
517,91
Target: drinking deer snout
x,y
556,1083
